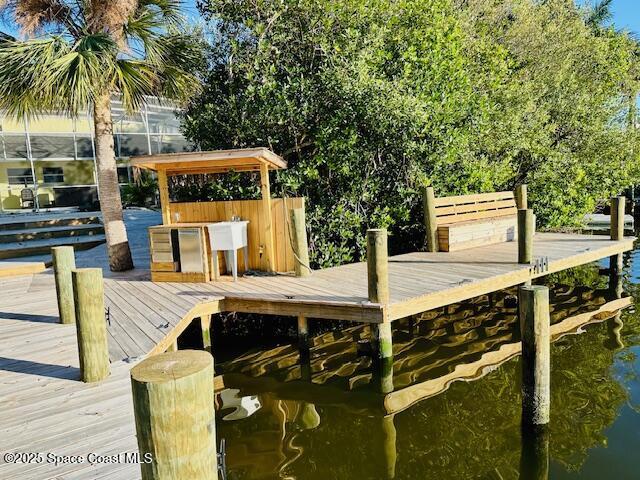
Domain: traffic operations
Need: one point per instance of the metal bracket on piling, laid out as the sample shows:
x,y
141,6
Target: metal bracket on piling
x,y
222,459
540,265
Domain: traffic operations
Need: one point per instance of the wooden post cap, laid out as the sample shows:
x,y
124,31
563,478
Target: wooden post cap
x,y
171,366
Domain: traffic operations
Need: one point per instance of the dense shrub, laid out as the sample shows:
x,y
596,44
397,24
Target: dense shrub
x,y
368,100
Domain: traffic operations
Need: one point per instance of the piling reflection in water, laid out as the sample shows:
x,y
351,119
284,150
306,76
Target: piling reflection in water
x,y
534,456
336,424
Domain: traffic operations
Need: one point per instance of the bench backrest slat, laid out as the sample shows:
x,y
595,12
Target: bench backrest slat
x,y
463,208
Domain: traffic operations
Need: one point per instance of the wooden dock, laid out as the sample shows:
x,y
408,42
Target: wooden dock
x,y
148,317
44,407
460,342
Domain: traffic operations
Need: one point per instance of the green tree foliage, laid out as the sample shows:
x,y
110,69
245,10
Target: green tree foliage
x,y
370,99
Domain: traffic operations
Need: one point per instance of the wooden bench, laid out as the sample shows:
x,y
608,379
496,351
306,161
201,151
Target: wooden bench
x,y
467,221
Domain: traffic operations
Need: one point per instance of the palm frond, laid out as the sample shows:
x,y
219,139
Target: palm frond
x,y
178,84
599,14
170,10
21,74
134,80
66,73
54,74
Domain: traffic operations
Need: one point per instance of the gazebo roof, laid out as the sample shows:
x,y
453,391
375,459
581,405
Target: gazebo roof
x,y
215,161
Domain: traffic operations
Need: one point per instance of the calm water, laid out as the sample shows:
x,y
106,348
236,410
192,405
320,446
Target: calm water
x,y
331,421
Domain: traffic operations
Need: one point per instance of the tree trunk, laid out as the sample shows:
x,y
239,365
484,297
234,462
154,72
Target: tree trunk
x,y
110,202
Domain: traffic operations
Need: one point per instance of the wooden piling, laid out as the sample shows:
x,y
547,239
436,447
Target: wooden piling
x,y
63,262
381,340
534,318
430,222
534,454
617,232
300,245
378,288
383,373
616,264
205,326
617,217
526,228
91,328
303,338
173,403
377,266
521,197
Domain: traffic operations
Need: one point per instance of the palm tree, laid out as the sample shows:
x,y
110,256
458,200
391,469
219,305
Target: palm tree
x,y
81,52
599,14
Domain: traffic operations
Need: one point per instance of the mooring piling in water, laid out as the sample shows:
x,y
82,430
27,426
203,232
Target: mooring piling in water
x,y
378,266
383,374
617,231
63,262
533,311
91,328
526,228
534,455
205,327
304,348
173,402
378,289
303,339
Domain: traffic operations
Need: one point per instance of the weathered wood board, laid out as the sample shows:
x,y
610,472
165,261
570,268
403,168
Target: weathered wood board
x,y
250,210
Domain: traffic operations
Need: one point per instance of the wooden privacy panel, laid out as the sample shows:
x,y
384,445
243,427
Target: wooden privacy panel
x,y
250,210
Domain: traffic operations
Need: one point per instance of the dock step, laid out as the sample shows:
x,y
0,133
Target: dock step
x,y
15,269
44,246
42,233
37,221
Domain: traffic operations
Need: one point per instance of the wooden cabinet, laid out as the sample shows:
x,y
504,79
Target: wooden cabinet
x,y
164,246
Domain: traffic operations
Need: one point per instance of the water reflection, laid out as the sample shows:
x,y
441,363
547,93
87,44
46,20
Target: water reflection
x,y
345,419
534,455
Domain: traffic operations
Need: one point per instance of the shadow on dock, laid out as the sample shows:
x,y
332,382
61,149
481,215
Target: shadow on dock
x,y
65,372
30,317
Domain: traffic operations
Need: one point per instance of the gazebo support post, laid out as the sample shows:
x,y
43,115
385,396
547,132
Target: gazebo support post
x,y
163,187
